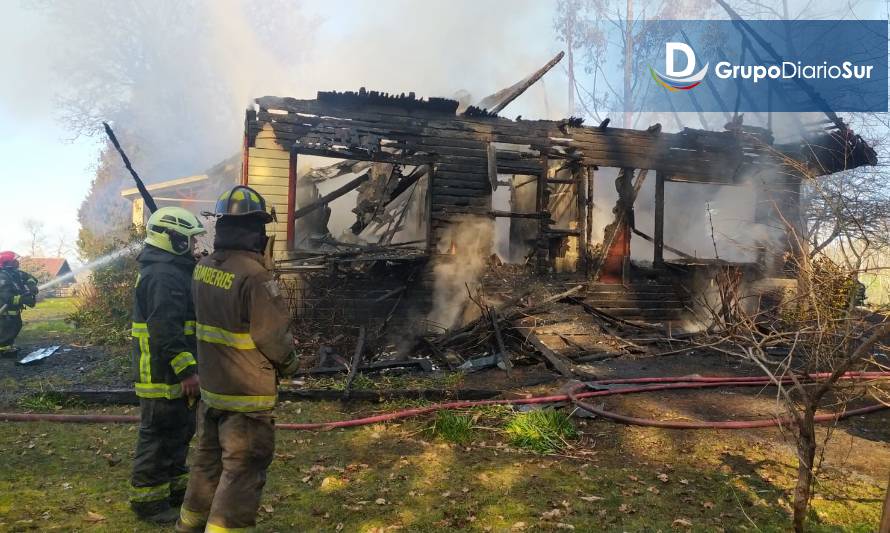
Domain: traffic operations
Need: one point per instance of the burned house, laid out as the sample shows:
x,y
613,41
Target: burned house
x,y
390,207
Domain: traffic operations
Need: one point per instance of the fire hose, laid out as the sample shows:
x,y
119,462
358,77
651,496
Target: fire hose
x,y
625,386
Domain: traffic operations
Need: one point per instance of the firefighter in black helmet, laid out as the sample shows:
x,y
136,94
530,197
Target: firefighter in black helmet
x,y
244,343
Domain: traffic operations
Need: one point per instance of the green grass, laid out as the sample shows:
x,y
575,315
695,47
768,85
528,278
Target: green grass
x,y
542,431
46,400
48,321
617,478
41,401
453,427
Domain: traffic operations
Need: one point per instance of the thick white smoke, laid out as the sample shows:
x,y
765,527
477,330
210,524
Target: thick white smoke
x,y
174,77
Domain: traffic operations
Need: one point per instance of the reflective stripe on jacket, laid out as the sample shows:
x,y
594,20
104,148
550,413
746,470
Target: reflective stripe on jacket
x,y
163,324
242,331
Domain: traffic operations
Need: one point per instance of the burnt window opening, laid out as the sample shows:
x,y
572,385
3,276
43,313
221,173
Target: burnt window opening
x,y
515,238
342,202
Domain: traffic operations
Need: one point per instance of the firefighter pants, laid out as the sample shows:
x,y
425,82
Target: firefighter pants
x,y
10,326
228,469
160,474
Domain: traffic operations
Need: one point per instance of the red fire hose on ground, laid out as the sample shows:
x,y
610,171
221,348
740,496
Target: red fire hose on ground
x,y
631,385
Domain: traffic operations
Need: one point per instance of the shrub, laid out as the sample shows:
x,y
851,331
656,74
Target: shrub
x,y
104,305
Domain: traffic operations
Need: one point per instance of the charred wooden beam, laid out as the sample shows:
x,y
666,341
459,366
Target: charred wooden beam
x,y
365,155
496,102
591,175
542,203
558,232
336,170
390,294
671,249
659,219
409,180
558,362
510,214
580,178
492,159
419,364
331,196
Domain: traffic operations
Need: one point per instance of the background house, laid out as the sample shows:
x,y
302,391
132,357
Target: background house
x,y
46,269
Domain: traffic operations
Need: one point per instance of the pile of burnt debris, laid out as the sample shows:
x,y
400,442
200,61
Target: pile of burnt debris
x,y
519,321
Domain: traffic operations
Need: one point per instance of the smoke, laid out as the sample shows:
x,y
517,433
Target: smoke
x,y
174,77
691,209
463,250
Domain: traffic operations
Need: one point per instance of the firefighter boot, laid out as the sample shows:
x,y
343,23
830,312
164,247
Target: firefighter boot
x,y
158,512
179,528
176,498
9,351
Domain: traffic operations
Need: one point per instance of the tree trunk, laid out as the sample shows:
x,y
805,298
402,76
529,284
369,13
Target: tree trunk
x,y
885,517
628,64
806,453
570,52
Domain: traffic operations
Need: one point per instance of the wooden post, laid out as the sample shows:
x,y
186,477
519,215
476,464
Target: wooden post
x,y
541,206
581,194
492,165
658,259
291,198
245,156
138,212
591,174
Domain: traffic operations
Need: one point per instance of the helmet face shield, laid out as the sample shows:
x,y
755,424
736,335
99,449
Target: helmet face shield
x,y
173,229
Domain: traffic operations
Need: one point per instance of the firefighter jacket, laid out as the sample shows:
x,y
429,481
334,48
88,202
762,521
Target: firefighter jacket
x,y
243,332
17,289
163,324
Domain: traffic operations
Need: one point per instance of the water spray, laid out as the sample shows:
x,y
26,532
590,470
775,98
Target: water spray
x,y
92,265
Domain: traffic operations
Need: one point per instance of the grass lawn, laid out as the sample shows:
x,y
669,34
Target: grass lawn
x,y
408,477
47,321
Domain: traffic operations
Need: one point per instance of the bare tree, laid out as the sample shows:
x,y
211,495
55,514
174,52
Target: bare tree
x,y
805,345
61,243
36,236
600,31
151,67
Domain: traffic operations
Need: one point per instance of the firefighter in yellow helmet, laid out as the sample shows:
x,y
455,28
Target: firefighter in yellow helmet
x,y
244,343
165,368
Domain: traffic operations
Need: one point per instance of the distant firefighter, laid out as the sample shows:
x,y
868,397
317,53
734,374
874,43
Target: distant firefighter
x,y
17,290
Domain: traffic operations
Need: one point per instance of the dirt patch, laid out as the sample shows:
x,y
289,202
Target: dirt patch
x,y
71,366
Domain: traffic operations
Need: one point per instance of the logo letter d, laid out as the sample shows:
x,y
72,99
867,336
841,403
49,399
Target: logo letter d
x,y
670,48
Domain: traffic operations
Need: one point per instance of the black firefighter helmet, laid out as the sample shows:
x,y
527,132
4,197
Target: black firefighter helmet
x,y
242,201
